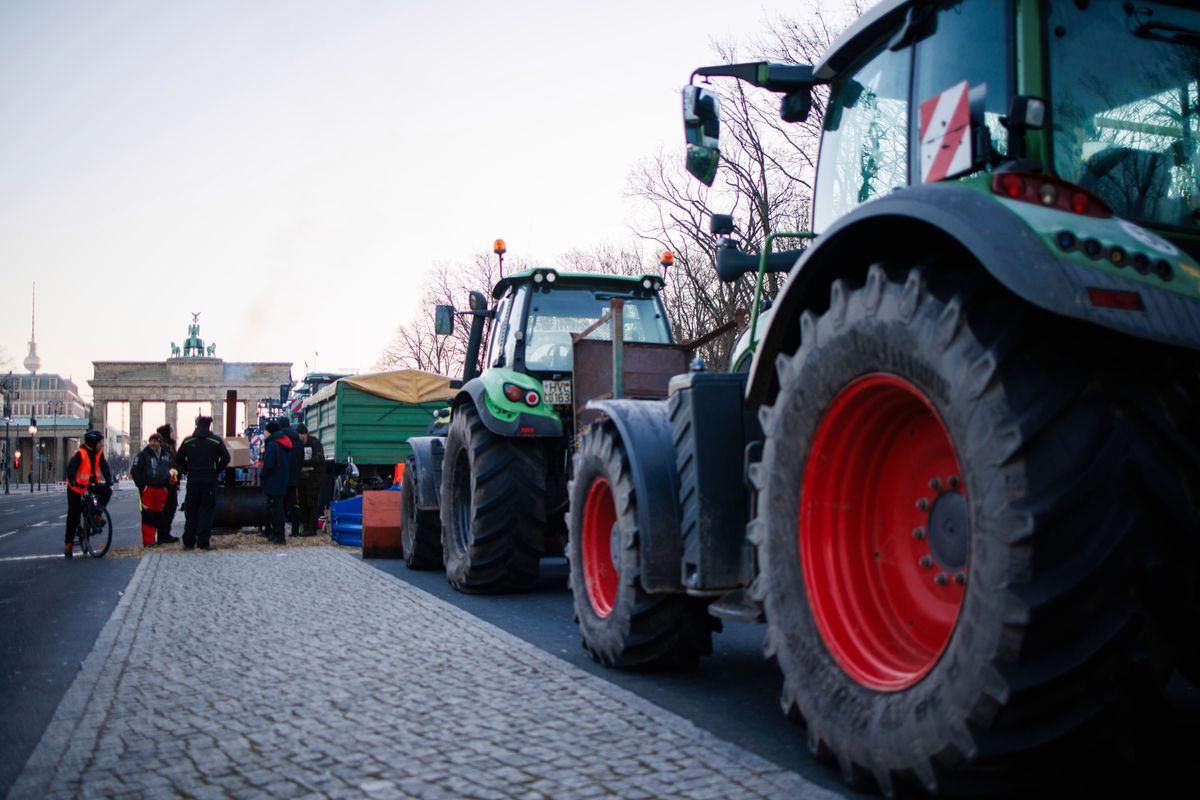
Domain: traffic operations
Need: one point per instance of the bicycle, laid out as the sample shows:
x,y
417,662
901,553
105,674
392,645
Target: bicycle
x,y
95,530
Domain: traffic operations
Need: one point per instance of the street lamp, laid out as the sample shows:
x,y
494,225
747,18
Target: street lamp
x,y
6,387
56,407
32,447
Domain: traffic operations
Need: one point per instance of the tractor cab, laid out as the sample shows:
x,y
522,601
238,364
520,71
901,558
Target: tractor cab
x,y
539,310
1101,95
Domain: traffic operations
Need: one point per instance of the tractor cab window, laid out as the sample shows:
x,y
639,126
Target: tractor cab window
x,y
1126,113
519,299
942,62
555,315
864,148
496,347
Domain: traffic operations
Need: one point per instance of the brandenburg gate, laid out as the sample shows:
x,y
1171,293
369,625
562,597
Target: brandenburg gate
x,y
193,373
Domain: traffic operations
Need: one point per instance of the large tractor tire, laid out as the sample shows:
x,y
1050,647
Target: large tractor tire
x,y
621,624
421,536
960,534
494,500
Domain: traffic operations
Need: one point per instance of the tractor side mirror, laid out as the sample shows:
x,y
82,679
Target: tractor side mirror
x,y
1025,113
477,301
796,106
702,130
721,225
443,320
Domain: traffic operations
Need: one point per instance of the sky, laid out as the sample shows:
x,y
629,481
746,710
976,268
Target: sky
x,y
291,170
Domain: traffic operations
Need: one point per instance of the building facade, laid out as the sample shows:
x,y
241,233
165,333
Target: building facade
x,y
44,420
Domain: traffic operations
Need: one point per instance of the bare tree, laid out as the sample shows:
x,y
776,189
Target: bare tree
x,y
766,181
415,345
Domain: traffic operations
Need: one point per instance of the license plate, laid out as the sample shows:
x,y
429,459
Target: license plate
x,y
557,393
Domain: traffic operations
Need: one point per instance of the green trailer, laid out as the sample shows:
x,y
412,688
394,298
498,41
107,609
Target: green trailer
x,y
370,418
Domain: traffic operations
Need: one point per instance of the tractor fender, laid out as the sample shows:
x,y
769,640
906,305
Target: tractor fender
x,y
522,425
427,460
645,430
930,221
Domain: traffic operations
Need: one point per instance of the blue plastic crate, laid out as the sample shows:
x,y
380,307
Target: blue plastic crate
x,y
347,521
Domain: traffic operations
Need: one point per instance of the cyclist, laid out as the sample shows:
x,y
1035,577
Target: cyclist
x,y
86,471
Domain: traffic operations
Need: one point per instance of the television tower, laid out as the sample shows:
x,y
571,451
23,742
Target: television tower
x,y
32,362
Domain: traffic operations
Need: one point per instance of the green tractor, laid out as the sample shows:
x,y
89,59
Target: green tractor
x,y
970,427
488,499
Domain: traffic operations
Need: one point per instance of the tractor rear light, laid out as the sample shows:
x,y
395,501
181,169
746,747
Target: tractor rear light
x,y
532,398
1092,248
1049,192
538,277
1163,269
551,277
1116,256
513,392
525,429
1010,185
1065,240
1119,300
1141,263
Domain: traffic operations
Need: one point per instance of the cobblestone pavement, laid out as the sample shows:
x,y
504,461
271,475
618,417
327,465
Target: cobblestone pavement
x,y
308,673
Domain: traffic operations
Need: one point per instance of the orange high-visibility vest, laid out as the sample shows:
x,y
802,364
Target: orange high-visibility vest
x,y
89,472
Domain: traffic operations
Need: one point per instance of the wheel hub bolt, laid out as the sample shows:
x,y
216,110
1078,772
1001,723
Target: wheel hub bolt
x,y
960,578
926,561
918,533
923,504
935,484
941,579
954,481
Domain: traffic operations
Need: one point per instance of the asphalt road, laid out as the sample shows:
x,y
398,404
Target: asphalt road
x,y
51,611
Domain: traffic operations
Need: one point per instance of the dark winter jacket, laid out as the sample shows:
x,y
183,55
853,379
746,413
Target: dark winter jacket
x,y
296,456
150,468
202,455
314,457
277,454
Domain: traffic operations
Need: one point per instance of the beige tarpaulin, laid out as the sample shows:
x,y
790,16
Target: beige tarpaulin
x,y
404,386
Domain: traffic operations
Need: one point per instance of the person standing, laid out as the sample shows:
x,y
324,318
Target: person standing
x,y
312,475
295,465
276,456
167,436
151,473
86,471
200,457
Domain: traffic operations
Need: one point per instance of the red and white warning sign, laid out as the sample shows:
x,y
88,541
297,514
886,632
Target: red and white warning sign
x,y
945,134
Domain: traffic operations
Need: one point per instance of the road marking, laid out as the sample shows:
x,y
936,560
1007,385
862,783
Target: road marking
x,y
64,516
10,533
31,558
41,524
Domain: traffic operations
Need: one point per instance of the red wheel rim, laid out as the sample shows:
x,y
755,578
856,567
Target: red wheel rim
x,y
883,532
599,573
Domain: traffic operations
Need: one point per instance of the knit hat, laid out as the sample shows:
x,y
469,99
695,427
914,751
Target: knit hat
x,y
272,426
301,428
203,421
164,431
